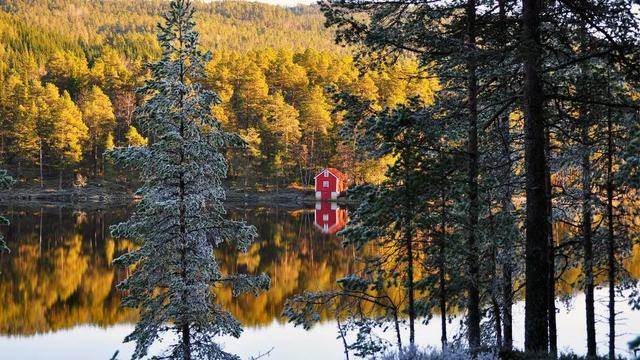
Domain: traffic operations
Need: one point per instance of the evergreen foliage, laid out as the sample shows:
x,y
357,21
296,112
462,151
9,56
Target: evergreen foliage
x,y
180,219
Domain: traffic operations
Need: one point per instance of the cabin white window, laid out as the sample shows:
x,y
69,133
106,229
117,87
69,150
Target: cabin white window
x,y
325,217
325,184
325,173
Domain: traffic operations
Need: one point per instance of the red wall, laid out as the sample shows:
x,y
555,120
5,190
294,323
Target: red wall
x,y
326,191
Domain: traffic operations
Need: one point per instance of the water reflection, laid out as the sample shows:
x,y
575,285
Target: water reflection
x,y
59,273
59,276
329,218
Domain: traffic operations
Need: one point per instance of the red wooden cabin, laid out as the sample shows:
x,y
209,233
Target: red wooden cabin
x,y
329,217
329,183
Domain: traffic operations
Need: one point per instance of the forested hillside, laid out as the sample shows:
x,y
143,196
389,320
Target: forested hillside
x,y
83,26
69,69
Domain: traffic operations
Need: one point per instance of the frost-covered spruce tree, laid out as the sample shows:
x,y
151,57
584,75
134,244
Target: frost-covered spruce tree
x,y
180,218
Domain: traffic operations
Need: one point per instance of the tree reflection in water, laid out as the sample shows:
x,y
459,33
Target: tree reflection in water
x,y
59,273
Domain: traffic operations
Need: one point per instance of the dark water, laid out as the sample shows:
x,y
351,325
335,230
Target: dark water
x,y
58,297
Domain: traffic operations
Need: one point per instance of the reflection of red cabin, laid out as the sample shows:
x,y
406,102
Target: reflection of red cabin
x,y
330,183
329,218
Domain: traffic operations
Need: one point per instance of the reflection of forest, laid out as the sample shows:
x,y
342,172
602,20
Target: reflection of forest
x,y
59,272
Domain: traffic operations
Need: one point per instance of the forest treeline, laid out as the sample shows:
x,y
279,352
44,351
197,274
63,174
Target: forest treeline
x,y
69,77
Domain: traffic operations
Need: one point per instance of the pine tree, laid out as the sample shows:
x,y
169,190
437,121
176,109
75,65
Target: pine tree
x,y
180,219
392,215
69,134
97,113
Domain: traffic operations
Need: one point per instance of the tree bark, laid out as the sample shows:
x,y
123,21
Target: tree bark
x,y
473,292
60,170
507,246
396,322
536,248
442,279
342,336
410,287
611,245
587,240
507,204
551,285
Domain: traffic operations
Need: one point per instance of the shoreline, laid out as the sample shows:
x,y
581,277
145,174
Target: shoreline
x,y
99,197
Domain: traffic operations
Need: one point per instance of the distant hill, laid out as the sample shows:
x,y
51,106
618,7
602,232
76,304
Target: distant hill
x,y
38,27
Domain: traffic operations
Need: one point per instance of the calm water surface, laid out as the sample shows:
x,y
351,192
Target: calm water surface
x,y
58,297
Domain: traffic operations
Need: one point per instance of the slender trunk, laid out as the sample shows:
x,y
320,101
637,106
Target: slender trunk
x,y
60,170
551,285
442,275
95,158
407,156
410,287
497,321
41,166
587,239
507,205
473,320
495,305
507,317
507,246
537,241
396,321
611,245
342,336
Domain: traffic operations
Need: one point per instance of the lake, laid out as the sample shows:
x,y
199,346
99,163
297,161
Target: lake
x,y
58,297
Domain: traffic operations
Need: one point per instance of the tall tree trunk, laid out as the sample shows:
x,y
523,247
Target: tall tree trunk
x,y
95,158
60,171
587,239
494,291
396,322
442,278
495,304
473,320
537,241
41,165
611,245
410,287
507,246
507,205
342,333
551,285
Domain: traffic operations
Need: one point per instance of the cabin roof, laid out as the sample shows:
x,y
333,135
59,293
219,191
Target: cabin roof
x,y
335,172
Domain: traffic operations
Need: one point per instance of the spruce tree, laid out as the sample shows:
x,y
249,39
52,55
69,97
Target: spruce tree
x,y
180,218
